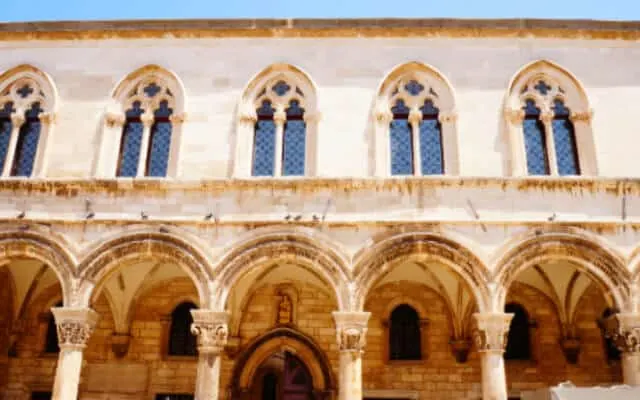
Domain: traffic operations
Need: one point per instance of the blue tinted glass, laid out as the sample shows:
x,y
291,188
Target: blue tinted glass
x,y
534,141
414,87
264,148
565,141
542,87
5,135
160,142
130,148
401,148
431,147
27,144
294,148
400,109
281,88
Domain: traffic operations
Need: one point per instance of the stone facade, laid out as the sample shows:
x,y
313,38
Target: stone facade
x,y
309,269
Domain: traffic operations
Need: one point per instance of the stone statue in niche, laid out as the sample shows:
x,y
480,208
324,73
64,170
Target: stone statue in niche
x,y
285,311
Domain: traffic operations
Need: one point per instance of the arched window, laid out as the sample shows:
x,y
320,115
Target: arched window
x,y
146,124
26,104
612,351
518,340
277,125
51,341
404,334
270,387
181,341
550,108
415,119
280,132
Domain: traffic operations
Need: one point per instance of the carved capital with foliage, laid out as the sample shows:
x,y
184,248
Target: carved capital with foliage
x,y
211,328
624,329
351,330
74,326
491,331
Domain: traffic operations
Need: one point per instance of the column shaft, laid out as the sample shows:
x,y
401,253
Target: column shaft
x,y
211,329
351,331
491,340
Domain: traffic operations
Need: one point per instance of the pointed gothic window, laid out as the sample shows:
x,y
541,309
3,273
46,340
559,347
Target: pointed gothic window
x,y
518,340
279,147
181,341
404,334
25,109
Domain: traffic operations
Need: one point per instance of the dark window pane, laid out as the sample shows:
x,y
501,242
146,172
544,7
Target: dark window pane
x,y
565,141
294,148
41,395
264,142
404,334
401,148
174,396
27,144
432,162
160,142
518,343
51,344
270,387
5,135
130,142
534,141
613,353
181,341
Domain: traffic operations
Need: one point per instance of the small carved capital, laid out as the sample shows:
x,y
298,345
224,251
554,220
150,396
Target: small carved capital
x,y
415,116
460,349
147,119
351,330
584,116
178,118
491,331
17,120
211,329
120,344
280,117
546,116
47,118
571,349
383,117
624,329
248,118
74,326
114,120
312,118
514,116
447,117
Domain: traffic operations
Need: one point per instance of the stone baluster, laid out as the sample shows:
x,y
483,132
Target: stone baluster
x,y
491,340
211,329
74,326
351,332
624,329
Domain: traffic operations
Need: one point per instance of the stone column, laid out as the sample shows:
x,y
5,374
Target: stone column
x,y
491,340
351,332
415,118
211,329
74,326
147,121
16,123
624,329
280,119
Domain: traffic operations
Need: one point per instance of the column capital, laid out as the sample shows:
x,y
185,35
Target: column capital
x,y
351,330
211,329
178,118
581,116
114,119
17,119
383,116
447,117
280,117
47,118
491,331
546,116
147,119
514,115
415,116
624,329
74,326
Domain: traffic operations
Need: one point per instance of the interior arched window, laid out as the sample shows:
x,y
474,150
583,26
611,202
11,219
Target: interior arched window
x,y
404,334
279,147
415,131
51,340
612,351
181,341
518,340
25,108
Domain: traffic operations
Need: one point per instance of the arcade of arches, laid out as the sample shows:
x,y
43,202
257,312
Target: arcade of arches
x,y
287,326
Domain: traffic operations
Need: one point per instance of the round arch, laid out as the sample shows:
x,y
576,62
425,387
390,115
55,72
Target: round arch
x,y
100,262
50,249
605,266
371,264
305,248
279,339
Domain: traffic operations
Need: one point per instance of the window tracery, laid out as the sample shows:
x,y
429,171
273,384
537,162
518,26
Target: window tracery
x,y
277,125
26,106
146,125
415,123
549,123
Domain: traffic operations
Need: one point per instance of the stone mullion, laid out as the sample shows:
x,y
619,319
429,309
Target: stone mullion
x,y
211,328
74,326
491,341
279,118
351,331
147,121
17,120
415,117
547,120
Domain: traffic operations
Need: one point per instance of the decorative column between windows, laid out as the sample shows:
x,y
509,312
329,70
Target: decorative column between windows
x,y
351,332
624,329
74,326
415,116
147,122
279,118
212,331
546,117
515,118
491,340
17,120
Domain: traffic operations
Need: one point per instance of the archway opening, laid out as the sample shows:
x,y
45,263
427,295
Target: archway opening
x,y
282,376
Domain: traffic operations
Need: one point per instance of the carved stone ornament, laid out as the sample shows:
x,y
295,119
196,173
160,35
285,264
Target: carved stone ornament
x,y
571,349
211,329
74,326
351,330
514,116
114,119
460,349
120,344
624,329
491,332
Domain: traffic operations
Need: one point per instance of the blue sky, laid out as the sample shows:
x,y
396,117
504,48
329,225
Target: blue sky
x,y
39,10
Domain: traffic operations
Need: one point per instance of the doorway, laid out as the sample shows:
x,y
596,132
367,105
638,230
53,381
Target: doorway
x,y
282,376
